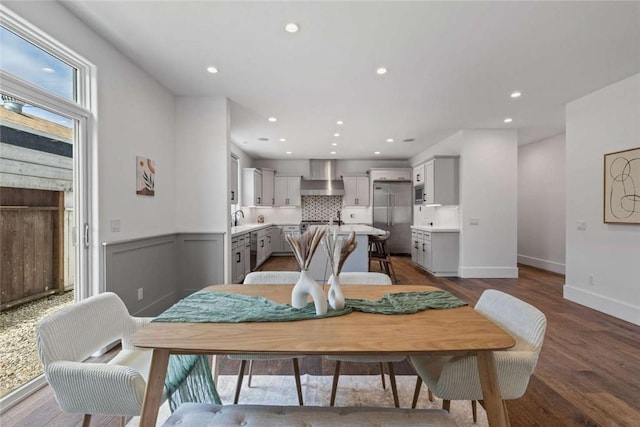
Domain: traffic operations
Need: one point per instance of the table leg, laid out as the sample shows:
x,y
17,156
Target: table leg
x,y
496,410
155,385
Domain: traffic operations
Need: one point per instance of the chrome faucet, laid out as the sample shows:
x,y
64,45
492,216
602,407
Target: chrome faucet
x,y
339,218
234,217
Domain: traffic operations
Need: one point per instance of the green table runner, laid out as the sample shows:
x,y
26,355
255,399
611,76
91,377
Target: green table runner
x,y
222,307
189,377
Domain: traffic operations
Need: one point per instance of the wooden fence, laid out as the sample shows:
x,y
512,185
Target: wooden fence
x,y
32,245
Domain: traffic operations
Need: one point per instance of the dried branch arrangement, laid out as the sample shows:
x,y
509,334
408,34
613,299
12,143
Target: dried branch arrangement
x,y
339,249
305,245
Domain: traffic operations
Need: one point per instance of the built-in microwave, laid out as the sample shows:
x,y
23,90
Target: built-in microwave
x,y
418,194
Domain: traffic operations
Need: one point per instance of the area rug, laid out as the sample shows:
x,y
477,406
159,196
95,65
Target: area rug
x,y
353,390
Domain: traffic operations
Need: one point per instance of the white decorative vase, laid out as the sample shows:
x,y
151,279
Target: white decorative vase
x,y
336,297
307,286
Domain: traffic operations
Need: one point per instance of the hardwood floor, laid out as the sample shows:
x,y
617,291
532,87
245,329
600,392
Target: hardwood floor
x,y
588,373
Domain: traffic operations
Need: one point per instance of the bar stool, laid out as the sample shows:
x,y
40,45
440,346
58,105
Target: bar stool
x,y
378,252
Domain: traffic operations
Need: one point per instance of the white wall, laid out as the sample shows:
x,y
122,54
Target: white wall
x,y
541,204
202,164
602,122
488,193
135,116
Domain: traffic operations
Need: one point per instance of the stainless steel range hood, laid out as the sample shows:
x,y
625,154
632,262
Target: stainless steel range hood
x,y
322,179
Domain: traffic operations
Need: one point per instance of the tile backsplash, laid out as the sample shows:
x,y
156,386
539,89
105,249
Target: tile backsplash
x,y
320,208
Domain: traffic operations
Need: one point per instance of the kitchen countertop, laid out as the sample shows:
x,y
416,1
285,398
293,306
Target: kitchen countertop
x,y
435,229
356,228
247,228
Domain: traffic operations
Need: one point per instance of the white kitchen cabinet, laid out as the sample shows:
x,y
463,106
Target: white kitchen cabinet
x,y
398,174
356,190
251,187
247,254
287,191
442,180
233,184
435,252
268,193
418,175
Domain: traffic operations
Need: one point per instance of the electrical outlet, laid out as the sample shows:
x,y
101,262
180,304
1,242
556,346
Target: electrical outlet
x,y
474,221
140,294
115,225
352,215
582,225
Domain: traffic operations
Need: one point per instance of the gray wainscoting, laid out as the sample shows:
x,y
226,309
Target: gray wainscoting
x,y
166,268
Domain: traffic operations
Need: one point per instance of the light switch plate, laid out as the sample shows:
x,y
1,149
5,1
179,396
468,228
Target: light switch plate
x,y
582,225
474,221
115,225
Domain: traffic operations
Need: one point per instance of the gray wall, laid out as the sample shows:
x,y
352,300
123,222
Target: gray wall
x,y
166,268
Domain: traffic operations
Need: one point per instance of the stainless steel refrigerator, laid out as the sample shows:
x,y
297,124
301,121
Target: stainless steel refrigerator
x,y
393,211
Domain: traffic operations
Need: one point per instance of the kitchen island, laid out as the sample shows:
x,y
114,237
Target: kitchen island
x,y
358,260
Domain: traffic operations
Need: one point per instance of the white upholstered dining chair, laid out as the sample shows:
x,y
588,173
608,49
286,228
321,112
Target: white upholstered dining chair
x,y
366,278
267,278
68,337
457,378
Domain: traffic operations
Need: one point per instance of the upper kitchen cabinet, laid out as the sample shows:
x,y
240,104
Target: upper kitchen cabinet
x,y
442,180
268,185
418,175
287,191
251,187
398,174
356,190
233,184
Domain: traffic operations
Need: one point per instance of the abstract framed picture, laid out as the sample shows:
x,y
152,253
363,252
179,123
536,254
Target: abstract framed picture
x,y
145,176
622,187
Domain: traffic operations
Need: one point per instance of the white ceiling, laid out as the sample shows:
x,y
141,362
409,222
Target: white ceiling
x,y
452,66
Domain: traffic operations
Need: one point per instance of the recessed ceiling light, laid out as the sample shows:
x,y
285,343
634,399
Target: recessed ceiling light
x,y
334,143
339,122
263,139
333,152
283,139
389,139
292,27
336,134
272,119
516,94
48,70
288,152
212,70
508,120
376,153
381,71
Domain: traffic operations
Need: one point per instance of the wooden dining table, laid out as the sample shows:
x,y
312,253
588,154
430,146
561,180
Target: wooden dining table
x,y
447,331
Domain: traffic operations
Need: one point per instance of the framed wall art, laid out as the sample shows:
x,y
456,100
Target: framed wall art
x,y
145,176
622,187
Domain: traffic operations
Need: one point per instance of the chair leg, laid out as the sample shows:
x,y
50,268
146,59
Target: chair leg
x,y
474,411
250,372
215,367
416,392
123,421
384,385
296,373
446,405
86,420
243,365
394,388
430,395
334,386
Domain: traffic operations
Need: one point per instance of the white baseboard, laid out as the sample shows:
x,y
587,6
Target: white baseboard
x,y
621,310
10,400
488,272
544,264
